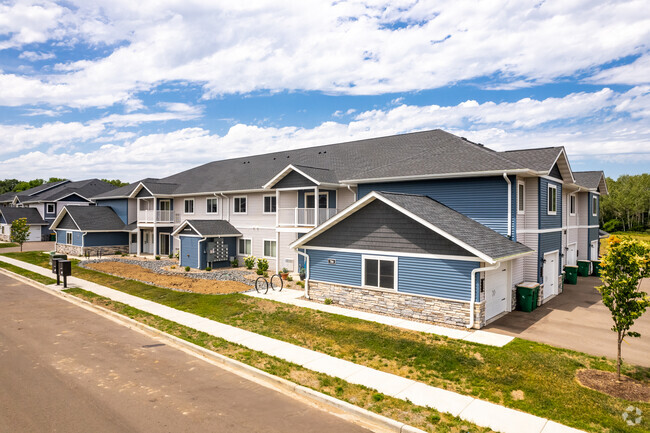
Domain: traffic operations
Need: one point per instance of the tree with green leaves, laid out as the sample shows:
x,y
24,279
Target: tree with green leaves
x,y
115,182
623,267
19,231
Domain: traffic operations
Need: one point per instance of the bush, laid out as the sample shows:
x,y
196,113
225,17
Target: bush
x,y
263,265
187,268
328,301
250,262
171,256
613,225
300,283
157,257
208,269
285,270
260,272
289,278
266,274
234,263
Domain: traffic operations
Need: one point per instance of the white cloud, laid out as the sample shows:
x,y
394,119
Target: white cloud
x,y
637,72
34,56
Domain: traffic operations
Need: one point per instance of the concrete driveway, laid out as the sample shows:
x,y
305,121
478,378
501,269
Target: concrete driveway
x,y
30,246
578,320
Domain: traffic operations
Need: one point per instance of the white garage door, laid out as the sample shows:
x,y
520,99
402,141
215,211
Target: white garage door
x,y
571,254
496,291
551,272
34,233
594,250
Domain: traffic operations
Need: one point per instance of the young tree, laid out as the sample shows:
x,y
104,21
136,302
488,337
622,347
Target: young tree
x,y
19,231
623,267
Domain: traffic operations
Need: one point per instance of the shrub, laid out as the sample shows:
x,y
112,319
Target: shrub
x,y
285,270
208,269
171,256
613,225
250,262
266,274
263,265
328,301
377,396
300,283
260,272
234,263
187,268
157,257
289,278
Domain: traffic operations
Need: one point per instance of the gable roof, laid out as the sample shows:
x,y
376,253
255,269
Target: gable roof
x,y
592,180
543,160
8,197
56,191
474,237
11,214
209,228
92,218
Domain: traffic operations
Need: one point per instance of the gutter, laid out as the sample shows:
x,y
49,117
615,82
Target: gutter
x,y
505,176
473,289
349,187
225,199
306,272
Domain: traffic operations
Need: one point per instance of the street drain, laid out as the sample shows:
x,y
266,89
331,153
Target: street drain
x,y
147,346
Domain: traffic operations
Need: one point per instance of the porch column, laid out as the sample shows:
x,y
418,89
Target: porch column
x,y
155,240
138,248
316,199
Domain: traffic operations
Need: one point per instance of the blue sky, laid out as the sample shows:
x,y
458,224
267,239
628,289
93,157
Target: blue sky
x,y
129,90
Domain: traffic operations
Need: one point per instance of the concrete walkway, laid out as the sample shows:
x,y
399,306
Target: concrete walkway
x,y
292,297
480,412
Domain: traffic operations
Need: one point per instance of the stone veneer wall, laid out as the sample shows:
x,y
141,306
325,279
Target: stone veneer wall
x,y
4,238
404,305
74,250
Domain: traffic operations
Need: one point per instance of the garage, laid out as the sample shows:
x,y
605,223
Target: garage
x,y
34,221
497,291
551,273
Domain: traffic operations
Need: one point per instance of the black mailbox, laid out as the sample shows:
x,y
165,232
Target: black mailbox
x,y
65,268
55,266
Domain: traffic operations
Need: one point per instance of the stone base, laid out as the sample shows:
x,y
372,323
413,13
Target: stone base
x,y
4,238
403,305
73,250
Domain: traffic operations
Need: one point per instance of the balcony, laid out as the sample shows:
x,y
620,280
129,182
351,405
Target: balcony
x,y
304,217
157,216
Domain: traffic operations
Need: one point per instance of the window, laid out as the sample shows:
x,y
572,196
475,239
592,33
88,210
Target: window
x,y
521,197
269,248
212,205
552,199
49,208
269,204
380,272
245,247
594,205
68,238
572,204
240,205
189,205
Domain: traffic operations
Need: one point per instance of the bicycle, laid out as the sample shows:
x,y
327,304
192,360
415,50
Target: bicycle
x,y
275,282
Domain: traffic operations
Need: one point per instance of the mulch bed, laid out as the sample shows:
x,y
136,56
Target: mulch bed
x,y
605,382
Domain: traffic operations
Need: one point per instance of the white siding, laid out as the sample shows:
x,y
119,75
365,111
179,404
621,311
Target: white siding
x,y
530,261
531,215
287,238
344,198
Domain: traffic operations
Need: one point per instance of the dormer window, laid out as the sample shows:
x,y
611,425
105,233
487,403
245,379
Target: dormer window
x,y
50,208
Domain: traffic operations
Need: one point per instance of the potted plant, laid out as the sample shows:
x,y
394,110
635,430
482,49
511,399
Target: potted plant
x,y
285,273
303,273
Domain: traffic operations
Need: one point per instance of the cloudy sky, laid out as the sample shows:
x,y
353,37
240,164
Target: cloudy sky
x,y
134,89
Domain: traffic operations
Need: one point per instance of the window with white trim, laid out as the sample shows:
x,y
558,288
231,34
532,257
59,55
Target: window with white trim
x,y
68,238
572,204
245,247
594,205
380,272
270,204
188,206
212,205
49,208
552,200
521,197
269,248
239,205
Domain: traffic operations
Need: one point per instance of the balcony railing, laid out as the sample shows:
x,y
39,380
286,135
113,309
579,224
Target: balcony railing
x,y
304,217
157,216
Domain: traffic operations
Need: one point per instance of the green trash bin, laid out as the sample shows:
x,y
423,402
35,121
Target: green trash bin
x,y
584,267
571,274
596,267
527,295
52,238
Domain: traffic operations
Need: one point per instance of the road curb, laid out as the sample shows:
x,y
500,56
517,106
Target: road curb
x,y
336,406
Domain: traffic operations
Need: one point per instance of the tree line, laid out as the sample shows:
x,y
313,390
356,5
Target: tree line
x,y
627,207
15,185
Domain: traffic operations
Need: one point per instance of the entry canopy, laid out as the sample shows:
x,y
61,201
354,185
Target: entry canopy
x,y
207,229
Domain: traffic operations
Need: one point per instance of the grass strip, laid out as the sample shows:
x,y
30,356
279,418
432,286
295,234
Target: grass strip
x,y
29,274
524,375
7,245
424,418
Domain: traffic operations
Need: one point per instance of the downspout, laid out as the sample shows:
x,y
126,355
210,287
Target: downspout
x,y
505,176
83,242
306,256
353,192
473,288
225,199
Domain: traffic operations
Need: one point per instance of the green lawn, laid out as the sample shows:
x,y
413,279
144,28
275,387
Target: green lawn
x,y
8,245
545,374
29,274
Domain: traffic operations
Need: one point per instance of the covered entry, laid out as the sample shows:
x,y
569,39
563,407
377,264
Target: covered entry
x,y
206,243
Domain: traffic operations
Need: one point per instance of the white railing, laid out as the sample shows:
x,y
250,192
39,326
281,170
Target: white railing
x,y
304,217
158,216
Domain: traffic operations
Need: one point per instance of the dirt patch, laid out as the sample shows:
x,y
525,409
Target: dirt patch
x,y
517,394
135,272
605,382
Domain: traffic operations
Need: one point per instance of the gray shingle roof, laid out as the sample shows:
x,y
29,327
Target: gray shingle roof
x,y
85,188
588,179
89,218
212,228
463,228
535,159
8,197
11,214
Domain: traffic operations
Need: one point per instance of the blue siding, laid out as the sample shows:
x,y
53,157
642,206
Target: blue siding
x,y
45,232
484,199
119,206
171,238
513,198
106,239
593,236
547,221
593,220
77,237
171,203
203,259
47,214
331,199
432,277
189,251
549,242
74,197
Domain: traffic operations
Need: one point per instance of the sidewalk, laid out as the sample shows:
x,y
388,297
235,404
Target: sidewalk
x,y
480,412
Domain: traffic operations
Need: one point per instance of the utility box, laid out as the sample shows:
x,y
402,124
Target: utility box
x,y
55,255
217,251
55,266
65,268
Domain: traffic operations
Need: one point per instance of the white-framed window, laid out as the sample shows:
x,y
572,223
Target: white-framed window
x,y
270,248
245,247
68,238
50,208
270,204
572,205
212,205
240,204
521,197
552,200
379,272
188,206
594,205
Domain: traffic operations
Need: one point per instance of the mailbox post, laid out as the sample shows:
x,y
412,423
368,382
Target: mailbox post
x,y
55,269
65,270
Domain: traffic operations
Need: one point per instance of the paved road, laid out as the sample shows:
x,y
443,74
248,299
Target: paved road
x,y
65,369
578,320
